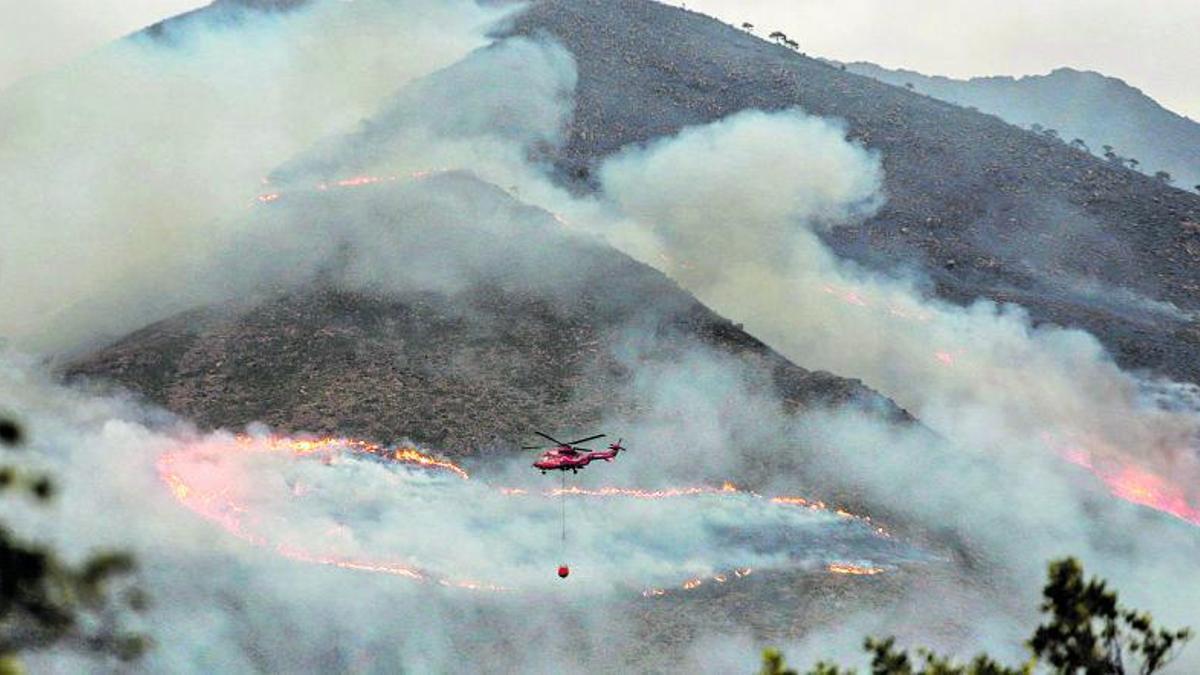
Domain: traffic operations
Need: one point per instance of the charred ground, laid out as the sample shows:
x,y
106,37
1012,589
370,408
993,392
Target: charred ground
x,y
466,370
977,207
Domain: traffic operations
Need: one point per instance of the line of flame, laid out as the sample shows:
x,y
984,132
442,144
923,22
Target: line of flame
x,y
222,509
356,181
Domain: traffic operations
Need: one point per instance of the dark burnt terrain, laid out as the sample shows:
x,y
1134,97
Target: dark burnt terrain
x,y
979,208
465,369
976,208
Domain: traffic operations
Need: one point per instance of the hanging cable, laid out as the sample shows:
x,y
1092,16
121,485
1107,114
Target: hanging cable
x,y
563,569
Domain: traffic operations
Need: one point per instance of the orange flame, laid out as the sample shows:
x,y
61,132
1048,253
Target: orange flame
x,y
355,181
1136,485
218,505
855,570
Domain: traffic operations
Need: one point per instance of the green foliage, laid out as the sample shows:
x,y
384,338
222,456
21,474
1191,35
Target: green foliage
x,y
1085,632
773,664
1088,631
45,602
886,659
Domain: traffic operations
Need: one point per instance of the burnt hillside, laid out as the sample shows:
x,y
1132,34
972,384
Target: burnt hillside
x,y
1076,105
467,368
980,207
977,207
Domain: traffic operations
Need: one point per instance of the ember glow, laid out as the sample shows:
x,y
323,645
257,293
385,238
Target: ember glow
x,y
855,570
208,494
202,479
1133,483
855,297
353,182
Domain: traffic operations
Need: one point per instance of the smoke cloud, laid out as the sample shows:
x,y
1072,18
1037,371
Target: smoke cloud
x,y
123,171
734,211
417,173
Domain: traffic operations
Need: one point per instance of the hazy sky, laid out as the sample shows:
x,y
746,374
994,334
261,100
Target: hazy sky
x,y
40,34
1152,44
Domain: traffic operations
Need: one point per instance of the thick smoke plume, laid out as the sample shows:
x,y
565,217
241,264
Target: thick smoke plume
x,y
135,181
734,212
124,173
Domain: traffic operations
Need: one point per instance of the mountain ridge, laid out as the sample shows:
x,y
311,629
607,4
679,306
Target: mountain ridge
x,y
1098,109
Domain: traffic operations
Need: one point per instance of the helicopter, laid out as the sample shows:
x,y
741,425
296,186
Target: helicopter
x,y
569,456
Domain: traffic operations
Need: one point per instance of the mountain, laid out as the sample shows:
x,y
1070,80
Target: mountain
x,y
469,368
1096,109
979,207
519,321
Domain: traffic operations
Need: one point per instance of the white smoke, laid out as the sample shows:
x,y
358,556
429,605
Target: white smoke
x,y
122,171
263,599
733,211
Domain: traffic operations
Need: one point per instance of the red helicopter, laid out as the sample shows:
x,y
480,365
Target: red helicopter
x,y
563,456
568,456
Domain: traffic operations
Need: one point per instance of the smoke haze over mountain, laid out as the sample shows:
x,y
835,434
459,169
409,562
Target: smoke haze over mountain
x,y
136,197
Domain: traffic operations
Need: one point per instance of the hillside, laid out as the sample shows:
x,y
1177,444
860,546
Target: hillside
x,y
981,208
1085,105
468,368
409,271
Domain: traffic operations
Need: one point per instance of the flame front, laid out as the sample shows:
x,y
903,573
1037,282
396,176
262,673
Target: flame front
x,y
1132,483
218,502
855,570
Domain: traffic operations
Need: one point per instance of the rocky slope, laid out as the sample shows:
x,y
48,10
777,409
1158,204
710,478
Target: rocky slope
x,y
980,207
467,369
977,207
1085,105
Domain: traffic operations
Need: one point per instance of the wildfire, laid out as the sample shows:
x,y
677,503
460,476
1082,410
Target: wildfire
x,y
697,582
333,445
354,181
857,298
855,570
220,504
1134,484
634,493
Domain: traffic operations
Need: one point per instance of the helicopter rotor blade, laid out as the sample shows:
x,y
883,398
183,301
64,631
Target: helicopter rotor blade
x,y
532,447
585,440
550,438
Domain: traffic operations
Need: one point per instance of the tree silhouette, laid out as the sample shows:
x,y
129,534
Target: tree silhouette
x,y
46,602
778,36
1163,176
747,26
1084,632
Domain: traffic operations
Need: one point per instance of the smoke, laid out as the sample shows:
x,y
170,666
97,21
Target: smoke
x,y
36,37
441,186
980,375
733,211
263,600
122,172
